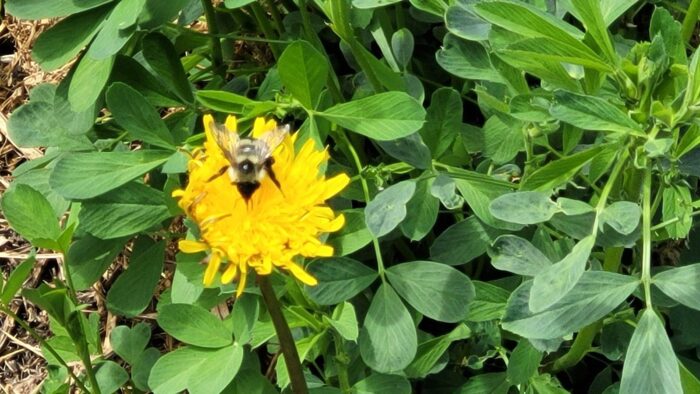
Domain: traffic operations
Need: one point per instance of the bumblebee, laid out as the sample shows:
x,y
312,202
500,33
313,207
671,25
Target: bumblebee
x,y
249,159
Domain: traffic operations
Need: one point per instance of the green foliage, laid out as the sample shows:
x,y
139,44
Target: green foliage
x,y
522,173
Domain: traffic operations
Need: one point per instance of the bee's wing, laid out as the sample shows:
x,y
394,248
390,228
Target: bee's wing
x,y
226,139
274,137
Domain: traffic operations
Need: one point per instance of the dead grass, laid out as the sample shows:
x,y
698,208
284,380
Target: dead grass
x,y
22,368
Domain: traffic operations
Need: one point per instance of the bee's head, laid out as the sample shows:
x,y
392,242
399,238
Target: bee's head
x,y
246,167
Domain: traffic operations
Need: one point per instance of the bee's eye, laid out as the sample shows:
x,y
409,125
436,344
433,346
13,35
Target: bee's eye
x,y
246,167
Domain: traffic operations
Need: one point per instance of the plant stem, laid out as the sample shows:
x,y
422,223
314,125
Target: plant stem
x,y
44,344
340,16
341,361
646,236
84,353
691,17
311,36
579,348
276,17
217,57
365,191
264,24
289,349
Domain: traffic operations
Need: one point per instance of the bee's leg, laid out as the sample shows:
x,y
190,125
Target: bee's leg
x,y
268,168
221,172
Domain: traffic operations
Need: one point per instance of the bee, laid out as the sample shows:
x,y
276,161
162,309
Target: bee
x,y
249,159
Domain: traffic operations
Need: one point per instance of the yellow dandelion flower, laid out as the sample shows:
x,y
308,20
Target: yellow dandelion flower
x,y
275,225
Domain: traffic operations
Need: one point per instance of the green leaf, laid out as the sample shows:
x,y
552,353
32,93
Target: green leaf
x,y
380,383
677,204
233,4
62,42
88,80
489,302
461,21
523,362
544,31
445,189
353,236
157,13
402,44
31,215
141,369
161,55
570,207
87,175
388,340
531,22
364,4
129,71
461,242
243,317
479,193
467,59
527,207
410,149
382,117
194,325
552,50
339,279
89,257
344,321
430,351
435,7
16,279
503,139
689,382
137,117
486,383
554,173
589,12
200,371
133,290
38,179
42,9
592,113
681,284
388,208
224,101
303,71
594,296
622,216
110,377
130,342
435,290
117,29
517,255
554,282
443,121
125,211
662,23
651,365
424,212
35,124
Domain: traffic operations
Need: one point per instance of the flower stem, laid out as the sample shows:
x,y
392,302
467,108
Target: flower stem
x,y
691,17
217,57
284,335
45,345
646,237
